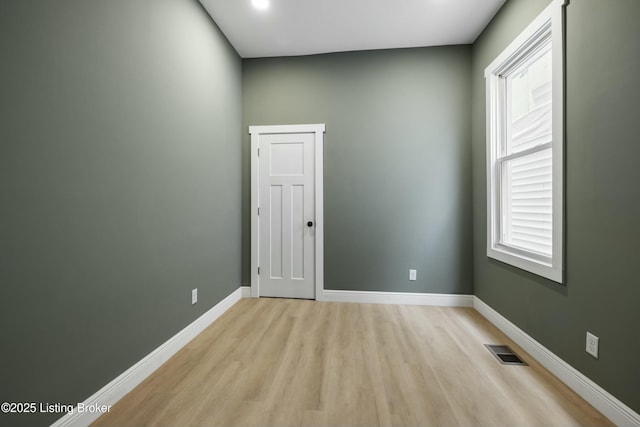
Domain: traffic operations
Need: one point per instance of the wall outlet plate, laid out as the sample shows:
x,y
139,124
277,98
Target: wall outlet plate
x,y
592,344
194,296
413,275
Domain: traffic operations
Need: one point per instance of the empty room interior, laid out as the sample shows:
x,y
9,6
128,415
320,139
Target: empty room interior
x,y
288,213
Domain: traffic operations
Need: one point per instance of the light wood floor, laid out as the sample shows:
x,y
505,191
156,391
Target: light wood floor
x,y
277,362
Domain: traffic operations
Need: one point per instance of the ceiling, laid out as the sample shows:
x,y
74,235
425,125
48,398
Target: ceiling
x,y
305,27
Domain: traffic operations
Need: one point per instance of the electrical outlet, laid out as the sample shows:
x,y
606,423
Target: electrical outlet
x,y
412,275
592,344
194,296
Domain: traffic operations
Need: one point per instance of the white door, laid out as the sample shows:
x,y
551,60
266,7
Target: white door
x,y
286,214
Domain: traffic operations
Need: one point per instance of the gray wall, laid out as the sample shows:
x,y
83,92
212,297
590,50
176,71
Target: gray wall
x,y
120,187
397,160
602,196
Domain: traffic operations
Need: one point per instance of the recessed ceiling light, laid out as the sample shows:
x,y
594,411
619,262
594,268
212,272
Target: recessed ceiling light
x,y
260,4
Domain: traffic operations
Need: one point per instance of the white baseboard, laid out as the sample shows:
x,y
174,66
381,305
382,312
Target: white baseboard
x,y
619,413
128,380
246,291
443,300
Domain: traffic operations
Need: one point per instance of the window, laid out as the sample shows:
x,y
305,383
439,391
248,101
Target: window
x,y
525,148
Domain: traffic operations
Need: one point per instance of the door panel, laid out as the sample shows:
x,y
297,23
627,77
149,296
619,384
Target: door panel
x,y
286,159
297,231
287,204
275,225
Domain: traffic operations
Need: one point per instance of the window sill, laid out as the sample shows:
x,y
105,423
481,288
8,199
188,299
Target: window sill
x,y
523,262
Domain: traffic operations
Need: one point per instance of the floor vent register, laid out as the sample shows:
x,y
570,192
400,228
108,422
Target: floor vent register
x,y
505,355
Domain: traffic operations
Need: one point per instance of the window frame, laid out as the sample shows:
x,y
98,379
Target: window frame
x,y
549,24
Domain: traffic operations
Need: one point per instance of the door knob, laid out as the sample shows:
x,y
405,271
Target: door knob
x,y
310,224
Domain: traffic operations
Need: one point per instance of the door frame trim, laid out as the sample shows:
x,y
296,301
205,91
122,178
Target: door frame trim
x,y
256,132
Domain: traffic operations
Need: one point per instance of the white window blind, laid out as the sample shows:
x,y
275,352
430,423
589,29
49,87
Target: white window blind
x,y
527,205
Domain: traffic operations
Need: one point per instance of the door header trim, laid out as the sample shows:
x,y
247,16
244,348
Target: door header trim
x,y
262,130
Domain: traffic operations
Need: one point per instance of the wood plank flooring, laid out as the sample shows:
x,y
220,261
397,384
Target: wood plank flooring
x,y
278,362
